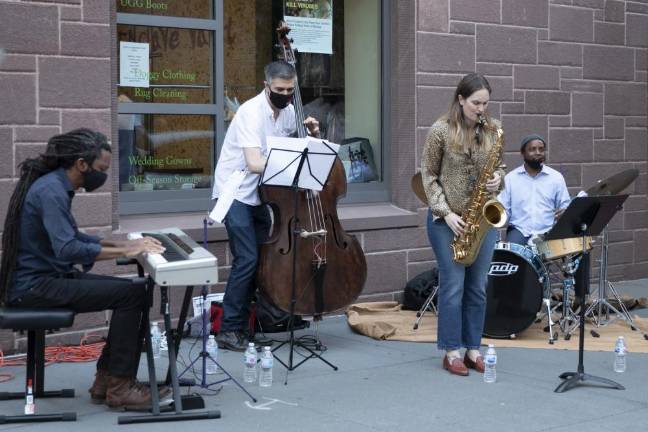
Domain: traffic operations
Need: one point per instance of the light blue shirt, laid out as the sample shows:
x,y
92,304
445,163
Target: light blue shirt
x,y
530,202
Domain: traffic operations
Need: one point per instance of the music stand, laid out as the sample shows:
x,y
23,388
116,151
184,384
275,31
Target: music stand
x,y
285,167
586,216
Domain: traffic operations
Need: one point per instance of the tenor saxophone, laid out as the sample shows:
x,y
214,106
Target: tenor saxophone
x,y
483,210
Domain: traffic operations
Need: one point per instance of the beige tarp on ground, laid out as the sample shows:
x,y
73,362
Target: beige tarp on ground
x,y
388,321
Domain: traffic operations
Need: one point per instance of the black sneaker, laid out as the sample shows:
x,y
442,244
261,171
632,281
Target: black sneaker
x,y
232,341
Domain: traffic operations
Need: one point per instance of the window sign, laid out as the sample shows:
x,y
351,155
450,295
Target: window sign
x,y
171,8
181,64
134,65
311,24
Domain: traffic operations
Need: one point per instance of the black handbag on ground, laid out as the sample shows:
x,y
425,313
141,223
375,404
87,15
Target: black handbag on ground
x,y
419,288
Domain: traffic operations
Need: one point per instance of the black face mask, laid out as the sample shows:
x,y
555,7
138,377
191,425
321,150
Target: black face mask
x,y
279,100
93,179
533,163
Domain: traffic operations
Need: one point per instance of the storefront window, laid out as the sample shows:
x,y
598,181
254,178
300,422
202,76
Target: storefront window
x,y
174,8
165,152
340,83
168,117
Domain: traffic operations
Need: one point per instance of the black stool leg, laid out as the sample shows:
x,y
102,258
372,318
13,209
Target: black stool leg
x,y
31,366
36,373
39,370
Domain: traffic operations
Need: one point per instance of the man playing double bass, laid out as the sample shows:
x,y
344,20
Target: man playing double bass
x,y
247,222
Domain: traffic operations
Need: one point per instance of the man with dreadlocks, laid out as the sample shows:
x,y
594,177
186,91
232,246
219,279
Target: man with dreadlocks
x,y
41,244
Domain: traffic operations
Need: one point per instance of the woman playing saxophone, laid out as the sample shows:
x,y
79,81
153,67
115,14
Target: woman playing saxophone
x,y
459,147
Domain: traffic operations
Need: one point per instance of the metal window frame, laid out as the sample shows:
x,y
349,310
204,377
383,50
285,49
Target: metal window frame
x,y
144,202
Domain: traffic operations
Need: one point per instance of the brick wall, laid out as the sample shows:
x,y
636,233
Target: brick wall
x,y
574,71
54,77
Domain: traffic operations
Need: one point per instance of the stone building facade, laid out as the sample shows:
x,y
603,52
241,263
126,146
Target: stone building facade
x,y
574,71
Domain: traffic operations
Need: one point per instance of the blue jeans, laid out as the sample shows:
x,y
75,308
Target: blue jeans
x,y
247,227
462,290
513,235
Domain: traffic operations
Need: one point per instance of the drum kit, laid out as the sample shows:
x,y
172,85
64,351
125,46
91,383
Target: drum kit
x,y
528,283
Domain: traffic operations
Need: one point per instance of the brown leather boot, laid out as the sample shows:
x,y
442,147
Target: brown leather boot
x,y
99,387
125,393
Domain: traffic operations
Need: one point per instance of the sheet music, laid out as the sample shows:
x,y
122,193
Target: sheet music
x,y
283,161
318,165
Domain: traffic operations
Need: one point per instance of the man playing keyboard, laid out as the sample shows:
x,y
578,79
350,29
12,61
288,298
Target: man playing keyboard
x,y
41,245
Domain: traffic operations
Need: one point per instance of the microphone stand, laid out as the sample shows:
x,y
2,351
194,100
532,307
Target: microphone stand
x,y
204,356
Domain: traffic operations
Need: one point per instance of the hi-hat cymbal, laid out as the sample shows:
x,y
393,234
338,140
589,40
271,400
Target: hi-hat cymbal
x,y
417,187
614,184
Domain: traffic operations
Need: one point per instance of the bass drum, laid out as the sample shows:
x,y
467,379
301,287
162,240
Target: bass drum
x,y
517,284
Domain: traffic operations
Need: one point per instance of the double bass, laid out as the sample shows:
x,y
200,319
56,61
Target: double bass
x,y
309,265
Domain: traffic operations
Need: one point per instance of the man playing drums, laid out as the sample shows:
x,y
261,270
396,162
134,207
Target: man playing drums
x,y
534,194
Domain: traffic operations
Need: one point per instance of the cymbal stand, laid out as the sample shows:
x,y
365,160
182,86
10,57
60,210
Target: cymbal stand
x,y
569,319
601,307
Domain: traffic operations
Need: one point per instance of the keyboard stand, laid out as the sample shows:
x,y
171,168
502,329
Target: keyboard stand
x,y
173,342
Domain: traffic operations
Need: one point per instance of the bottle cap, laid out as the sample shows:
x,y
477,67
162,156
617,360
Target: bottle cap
x,y
251,344
266,348
211,337
491,346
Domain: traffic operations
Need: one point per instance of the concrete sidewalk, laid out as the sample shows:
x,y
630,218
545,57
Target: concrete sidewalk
x,y
386,386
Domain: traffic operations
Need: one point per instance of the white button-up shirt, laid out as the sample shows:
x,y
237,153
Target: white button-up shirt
x,y
530,202
253,122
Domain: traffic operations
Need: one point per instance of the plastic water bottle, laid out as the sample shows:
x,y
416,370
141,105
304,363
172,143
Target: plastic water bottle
x,y
30,408
620,350
212,350
265,374
156,338
490,365
250,364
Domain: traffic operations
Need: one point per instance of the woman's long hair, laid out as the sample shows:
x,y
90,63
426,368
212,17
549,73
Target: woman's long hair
x,y
461,136
62,151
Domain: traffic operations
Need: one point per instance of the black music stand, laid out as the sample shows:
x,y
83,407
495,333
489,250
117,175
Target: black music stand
x,y
275,174
586,216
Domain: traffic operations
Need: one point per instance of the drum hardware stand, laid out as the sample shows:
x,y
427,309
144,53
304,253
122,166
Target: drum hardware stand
x,y
547,302
585,217
569,319
428,305
601,305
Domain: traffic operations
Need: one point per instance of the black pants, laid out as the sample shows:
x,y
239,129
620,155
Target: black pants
x,y
84,292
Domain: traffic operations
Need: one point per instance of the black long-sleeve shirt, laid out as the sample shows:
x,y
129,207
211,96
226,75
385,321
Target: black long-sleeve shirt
x,y
50,243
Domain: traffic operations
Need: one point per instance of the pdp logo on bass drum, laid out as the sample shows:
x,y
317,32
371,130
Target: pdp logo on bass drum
x,y
502,269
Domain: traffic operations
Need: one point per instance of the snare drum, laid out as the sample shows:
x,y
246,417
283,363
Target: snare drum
x,y
552,249
517,284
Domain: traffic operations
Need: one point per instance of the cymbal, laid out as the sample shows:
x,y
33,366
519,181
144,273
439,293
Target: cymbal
x,y
614,184
417,187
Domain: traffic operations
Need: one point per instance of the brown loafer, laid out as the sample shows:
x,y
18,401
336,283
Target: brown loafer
x,y
478,364
456,367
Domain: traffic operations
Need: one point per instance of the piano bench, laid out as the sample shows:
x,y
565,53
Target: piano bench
x,y
36,321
